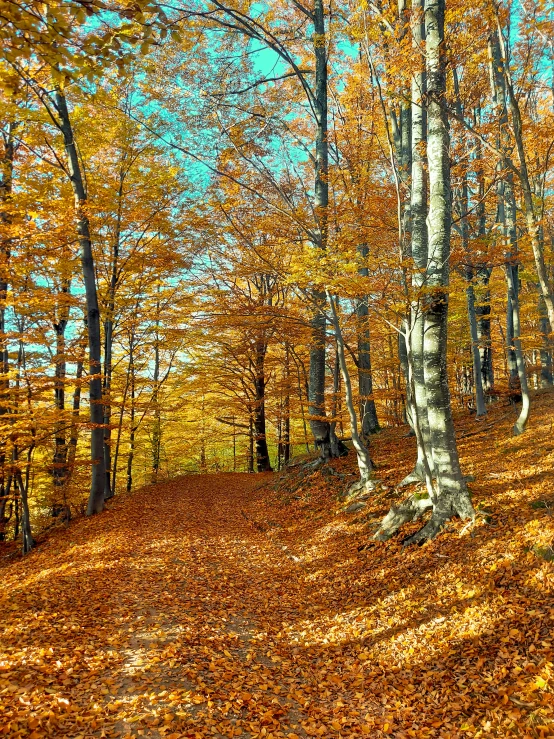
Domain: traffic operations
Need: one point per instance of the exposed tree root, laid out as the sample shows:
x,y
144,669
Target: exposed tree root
x,y
410,509
416,475
410,479
413,508
433,527
361,487
439,519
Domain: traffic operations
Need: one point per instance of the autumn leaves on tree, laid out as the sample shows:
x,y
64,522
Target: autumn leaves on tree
x,y
231,233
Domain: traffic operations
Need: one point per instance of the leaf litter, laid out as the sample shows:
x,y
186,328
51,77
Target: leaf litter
x,y
213,606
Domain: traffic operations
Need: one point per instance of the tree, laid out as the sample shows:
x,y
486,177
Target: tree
x,y
451,496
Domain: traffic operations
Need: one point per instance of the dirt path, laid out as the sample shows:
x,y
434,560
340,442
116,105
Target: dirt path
x,y
207,607
161,617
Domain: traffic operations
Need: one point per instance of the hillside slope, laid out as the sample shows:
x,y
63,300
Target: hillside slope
x,y
212,606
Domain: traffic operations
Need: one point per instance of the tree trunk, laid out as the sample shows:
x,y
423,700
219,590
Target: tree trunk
x,y
284,416
419,248
482,313
74,436
6,186
131,417
368,411
27,535
279,438
96,497
402,135
120,428
337,446
451,496
511,359
286,410
59,462
469,274
482,275
301,375
362,454
471,312
108,340
512,277
319,424
546,378
250,461
17,518
480,407
501,59
262,453
409,404
157,428
507,217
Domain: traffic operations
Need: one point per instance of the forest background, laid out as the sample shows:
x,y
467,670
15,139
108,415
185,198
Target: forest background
x,y
221,235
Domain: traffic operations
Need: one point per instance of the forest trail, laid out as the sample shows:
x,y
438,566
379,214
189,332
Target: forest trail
x,y
211,606
160,618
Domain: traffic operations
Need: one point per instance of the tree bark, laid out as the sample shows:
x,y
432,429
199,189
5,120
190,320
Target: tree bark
x,y
108,339
362,453
368,411
262,453
250,460
27,539
59,462
157,427
409,404
451,496
512,277
507,217
6,187
419,249
319,424
482,274
132,412
74,435
482,313
286,410
501,58
96,497
120,429
302,380
463,198
546,377
480,407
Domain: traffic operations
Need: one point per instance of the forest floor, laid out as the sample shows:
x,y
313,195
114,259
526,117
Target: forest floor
x,y
235,605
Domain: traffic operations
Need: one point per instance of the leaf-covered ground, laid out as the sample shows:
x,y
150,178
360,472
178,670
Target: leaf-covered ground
x,y
213,607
